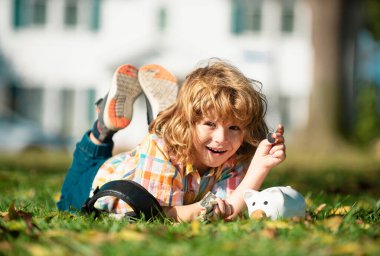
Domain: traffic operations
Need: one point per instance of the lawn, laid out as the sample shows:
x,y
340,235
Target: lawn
x,y
342,195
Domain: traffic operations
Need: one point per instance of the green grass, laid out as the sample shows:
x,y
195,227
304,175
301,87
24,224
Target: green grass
x,y
31,182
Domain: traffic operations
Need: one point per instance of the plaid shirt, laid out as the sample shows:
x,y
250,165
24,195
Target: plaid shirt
x,y
150,165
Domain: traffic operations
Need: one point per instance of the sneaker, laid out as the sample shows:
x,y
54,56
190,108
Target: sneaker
x,y
116,108
160,88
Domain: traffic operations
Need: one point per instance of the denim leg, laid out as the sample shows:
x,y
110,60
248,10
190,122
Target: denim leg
x,y
87,159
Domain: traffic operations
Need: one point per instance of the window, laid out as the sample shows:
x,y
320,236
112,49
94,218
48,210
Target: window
x,y
67,106
246,16
84,14
287,16
71,13
19,9
27,97
237,17
253,16
162,19
39,12
91,98
95,15
27,13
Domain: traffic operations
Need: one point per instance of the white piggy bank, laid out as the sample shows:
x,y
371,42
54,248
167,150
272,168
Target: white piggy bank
x,y
275,202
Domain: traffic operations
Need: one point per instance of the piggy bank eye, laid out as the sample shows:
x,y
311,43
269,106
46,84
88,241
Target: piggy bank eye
x,y
253,204
266,202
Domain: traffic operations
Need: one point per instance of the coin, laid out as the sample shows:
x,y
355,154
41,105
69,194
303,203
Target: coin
x,y
270,138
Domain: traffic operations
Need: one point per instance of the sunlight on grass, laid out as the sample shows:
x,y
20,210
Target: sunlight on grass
x,y
343,205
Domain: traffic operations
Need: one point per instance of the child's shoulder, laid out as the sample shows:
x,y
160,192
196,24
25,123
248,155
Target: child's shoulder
x,y
153,145
153,139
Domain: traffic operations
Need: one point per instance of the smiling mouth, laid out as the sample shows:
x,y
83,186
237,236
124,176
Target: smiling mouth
x,y
216,151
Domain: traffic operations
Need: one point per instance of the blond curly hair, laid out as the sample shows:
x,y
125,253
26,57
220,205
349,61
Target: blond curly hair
x,y
218,88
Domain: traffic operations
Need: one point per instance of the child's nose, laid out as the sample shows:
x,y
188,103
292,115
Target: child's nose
x,y
220,134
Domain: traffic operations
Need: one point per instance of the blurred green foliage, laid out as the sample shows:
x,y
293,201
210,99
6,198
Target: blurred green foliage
x,y
372,17
367,126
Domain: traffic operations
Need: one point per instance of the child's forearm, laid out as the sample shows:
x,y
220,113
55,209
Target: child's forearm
x,y
253,180
269,154
183,213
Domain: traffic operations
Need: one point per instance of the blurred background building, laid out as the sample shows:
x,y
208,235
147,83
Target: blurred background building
x,y
57,57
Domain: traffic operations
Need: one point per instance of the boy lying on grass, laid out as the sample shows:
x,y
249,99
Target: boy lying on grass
x,y
211,137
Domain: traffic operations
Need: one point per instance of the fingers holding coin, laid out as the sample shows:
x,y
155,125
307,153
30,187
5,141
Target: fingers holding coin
x,y
276,137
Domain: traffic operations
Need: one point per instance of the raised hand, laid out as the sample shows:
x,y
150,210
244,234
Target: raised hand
x,y
272,150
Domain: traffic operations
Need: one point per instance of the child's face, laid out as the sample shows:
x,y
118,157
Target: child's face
x,y
215,142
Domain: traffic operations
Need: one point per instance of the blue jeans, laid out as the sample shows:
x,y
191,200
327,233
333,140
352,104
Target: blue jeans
x,y
87,159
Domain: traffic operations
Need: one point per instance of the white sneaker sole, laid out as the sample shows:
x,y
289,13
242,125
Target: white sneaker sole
x,y
124,91
159,86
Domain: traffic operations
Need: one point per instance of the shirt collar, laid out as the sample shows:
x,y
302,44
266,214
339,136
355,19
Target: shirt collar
x,y
230,162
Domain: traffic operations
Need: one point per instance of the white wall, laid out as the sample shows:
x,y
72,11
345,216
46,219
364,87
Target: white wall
x,y
55,57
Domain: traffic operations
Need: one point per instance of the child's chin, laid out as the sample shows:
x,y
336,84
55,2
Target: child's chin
x,y
215,164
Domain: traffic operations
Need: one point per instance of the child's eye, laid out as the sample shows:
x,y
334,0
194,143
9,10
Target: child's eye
x,y
235,128
209,123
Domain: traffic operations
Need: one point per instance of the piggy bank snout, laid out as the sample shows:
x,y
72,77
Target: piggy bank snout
x,y
258,215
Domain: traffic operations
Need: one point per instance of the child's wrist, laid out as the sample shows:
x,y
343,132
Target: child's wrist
x,y
257,168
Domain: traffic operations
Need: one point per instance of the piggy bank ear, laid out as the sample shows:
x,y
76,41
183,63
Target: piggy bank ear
x,y
249,193
277,193
273,189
